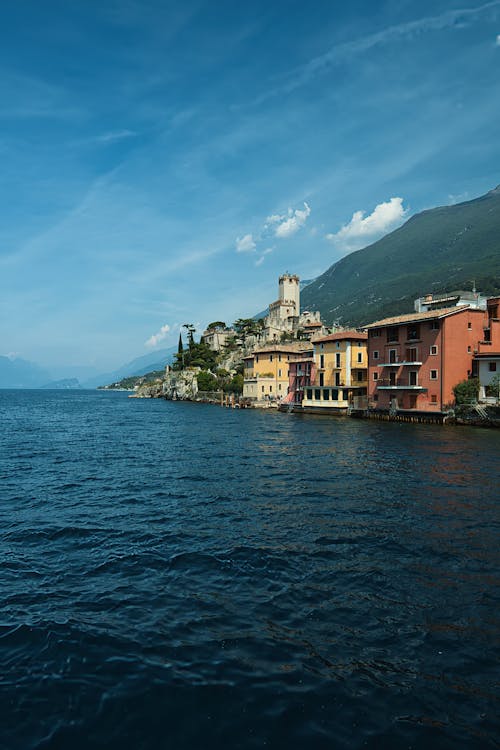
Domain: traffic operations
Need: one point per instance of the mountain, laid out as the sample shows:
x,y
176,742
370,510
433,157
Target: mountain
x,y
64,384
139,366
20,373
438,250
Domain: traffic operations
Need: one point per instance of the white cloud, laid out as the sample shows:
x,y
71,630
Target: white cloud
x,y
362,230
157,337
290,225
245,244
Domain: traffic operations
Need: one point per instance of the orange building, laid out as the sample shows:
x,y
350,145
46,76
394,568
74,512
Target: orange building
x,y
415,360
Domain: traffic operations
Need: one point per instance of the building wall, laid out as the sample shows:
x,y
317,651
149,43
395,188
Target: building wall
x,y
445,354
336,381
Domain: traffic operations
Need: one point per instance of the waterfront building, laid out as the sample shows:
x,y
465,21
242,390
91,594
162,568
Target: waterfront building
x,y
415,360
441,300
340,373
301,373
486,363
266,371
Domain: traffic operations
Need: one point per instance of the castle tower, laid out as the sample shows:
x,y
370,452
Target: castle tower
x,y
289,291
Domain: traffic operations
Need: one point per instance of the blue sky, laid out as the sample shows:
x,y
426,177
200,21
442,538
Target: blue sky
x,y
164,162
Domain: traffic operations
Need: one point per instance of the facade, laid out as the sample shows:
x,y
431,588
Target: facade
x,y
487,355
450,299
415,360
266,372
340,375
301,373
216,338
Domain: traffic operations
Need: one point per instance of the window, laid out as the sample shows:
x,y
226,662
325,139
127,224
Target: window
x,y
321,379
469,325
411,355
337,378
326,394
361,376
434,325
433,374
492,366
375,354
309,394
317,394
270,389
393,334
256,357
360,357
322,347
434,349
335,394
322,361
345,395
469,349
412,377
375,397
434,398
337,359
375,375
338,344
279,373
279,357
374,333
262,389
393,355
413,331
279,387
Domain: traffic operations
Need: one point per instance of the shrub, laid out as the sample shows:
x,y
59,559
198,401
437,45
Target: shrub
x,y
466,392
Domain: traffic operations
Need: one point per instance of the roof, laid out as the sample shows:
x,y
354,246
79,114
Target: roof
x,y
416,317
342,336
284,348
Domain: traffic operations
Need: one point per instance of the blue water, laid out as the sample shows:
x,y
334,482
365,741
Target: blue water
x,y
185,576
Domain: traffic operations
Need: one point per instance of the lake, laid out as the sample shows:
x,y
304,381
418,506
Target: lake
x,y
177,575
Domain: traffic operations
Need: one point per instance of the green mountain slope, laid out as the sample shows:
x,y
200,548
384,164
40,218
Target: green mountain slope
x,y
442,249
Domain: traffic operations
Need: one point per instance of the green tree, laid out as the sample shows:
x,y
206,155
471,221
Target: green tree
x,y
206,381
493,388
466,392
216,325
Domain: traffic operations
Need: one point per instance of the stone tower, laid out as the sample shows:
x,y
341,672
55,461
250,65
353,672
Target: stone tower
x,y
289,291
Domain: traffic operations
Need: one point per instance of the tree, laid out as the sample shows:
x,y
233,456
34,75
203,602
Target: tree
x,y
247,327
217,325
206,381
466,392
493,387
190,332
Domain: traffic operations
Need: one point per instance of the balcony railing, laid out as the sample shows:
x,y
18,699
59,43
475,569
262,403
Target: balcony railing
x,y
401,383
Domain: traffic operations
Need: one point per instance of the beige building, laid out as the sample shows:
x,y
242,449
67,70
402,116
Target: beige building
x,y
266,375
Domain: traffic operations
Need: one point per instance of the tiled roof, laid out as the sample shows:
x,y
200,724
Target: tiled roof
x,y
416,317
342,336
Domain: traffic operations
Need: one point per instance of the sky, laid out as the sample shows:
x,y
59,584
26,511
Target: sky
x,y
165,162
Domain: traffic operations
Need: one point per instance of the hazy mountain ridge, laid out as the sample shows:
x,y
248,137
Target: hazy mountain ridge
x,y
444,248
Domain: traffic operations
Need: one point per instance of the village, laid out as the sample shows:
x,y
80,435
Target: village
x,y
409,367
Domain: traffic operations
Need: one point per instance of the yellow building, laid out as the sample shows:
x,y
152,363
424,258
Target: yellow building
x,y
341,373
265,373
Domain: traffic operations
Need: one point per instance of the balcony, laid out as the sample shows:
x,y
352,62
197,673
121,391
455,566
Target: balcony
x,y
401,384
401,363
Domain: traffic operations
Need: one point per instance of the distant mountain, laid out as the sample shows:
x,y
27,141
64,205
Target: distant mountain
x,y
20,373
140,366
65,384
438,250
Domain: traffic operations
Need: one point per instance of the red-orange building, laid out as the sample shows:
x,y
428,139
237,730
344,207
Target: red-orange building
x,y
415,360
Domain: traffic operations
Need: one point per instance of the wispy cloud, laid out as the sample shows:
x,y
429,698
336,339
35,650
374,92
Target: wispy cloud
x,y
362,229
245,244
155,339
115,135
260,260
340,53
